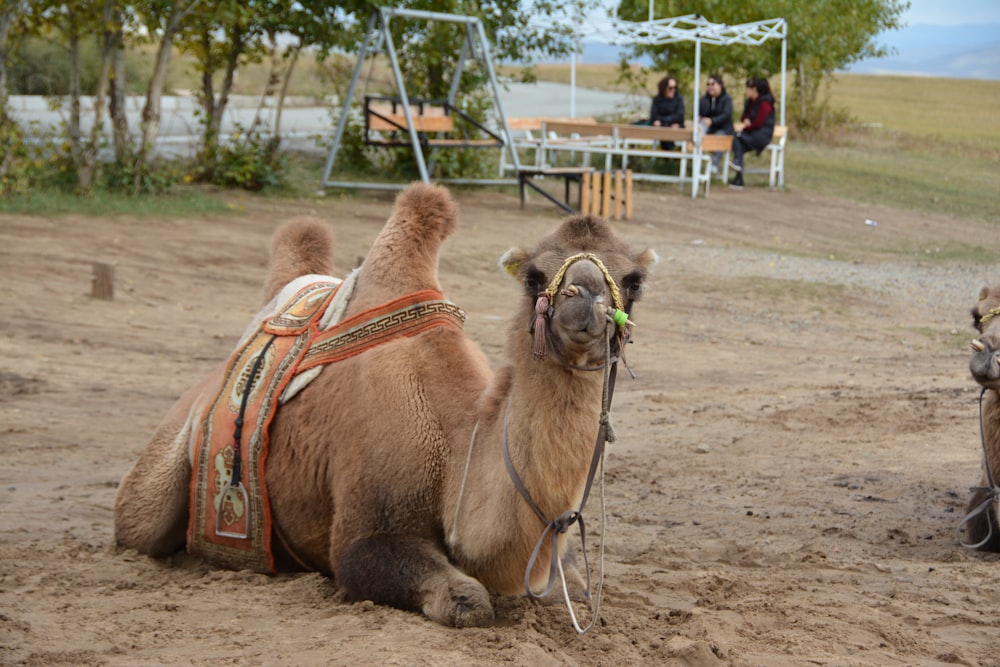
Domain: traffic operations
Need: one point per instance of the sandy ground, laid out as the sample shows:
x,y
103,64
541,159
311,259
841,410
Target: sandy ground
x,y
793,457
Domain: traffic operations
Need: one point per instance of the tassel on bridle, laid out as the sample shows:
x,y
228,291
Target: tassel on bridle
x,y
541,313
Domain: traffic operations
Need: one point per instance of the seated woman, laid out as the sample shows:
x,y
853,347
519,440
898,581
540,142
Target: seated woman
x,y
667,109
715,112
756,127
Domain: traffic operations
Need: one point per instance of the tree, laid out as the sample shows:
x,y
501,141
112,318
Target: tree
x,y
823,37
71,23
10,12
429,51
163,19
12,148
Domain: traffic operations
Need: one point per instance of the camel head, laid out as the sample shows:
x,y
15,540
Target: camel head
x,y
580,280
985,361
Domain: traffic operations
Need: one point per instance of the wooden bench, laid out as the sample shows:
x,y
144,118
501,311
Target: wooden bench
x,y
711,143
433,121
621,141
391,122
776,150
525,136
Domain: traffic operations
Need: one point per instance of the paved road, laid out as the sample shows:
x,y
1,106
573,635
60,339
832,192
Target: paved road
x,y
304,124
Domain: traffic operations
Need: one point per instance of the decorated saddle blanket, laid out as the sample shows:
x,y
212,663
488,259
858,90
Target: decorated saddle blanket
x,y
285,347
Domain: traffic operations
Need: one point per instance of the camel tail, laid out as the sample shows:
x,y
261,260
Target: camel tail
x,y
299,247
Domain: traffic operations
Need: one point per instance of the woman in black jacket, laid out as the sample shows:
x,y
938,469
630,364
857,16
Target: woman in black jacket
x,y
715,112
756,127
667,109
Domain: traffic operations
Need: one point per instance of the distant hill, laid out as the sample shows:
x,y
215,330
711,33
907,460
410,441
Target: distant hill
x,y
967,51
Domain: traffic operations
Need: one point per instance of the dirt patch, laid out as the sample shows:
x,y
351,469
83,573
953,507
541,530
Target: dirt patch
x,y
793,457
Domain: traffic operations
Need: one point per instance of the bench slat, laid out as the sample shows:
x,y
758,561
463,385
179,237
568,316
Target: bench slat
x,y
397,122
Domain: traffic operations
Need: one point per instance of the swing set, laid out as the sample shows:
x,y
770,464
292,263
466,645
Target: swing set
x,y
426,125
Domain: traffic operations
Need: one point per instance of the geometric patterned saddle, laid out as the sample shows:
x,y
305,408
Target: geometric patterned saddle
x,y
230,517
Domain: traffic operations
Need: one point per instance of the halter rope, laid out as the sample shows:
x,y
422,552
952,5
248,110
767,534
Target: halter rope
x,y
562,523
993,491
989,316
543,303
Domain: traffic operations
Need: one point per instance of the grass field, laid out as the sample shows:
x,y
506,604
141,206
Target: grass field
x,y
923,143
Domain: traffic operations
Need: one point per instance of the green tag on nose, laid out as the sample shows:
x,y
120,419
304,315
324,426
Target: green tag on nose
x,y
620,317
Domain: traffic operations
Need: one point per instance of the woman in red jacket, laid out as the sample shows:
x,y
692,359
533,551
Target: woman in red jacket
x,y
756,127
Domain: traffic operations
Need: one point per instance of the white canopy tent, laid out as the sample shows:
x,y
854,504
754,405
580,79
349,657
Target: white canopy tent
x,y
655,32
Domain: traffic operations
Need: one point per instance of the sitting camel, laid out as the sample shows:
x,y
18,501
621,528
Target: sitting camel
x,y
406,470
982,521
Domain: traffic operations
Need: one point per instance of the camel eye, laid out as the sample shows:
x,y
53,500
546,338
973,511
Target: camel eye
x,y
534,281
632,285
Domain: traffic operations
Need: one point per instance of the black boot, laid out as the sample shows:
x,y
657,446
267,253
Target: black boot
x,y
737,183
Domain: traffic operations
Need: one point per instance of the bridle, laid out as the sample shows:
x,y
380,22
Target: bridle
x,y
991,489
544,309
617,328
554,527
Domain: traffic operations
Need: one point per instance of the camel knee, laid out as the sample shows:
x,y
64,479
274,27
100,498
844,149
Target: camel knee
x,y
412,573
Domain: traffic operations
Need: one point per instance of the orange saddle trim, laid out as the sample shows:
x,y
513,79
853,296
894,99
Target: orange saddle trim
x,y
230,520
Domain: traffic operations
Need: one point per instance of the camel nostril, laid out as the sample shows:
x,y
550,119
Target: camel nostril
x,y
570,290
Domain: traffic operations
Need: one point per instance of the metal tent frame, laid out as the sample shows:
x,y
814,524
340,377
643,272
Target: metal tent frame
x,y
378,38
689,28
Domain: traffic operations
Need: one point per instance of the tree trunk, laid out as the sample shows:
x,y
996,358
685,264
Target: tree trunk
x,y
117,104
6,21
154,94
151,110
87,167
803,106
73,36
293,60
215,108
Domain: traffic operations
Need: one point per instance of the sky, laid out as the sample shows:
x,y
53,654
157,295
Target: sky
x,y
957,38
955,12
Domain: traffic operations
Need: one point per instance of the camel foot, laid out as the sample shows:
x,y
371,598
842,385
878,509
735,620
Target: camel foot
x,y
413,573
458,603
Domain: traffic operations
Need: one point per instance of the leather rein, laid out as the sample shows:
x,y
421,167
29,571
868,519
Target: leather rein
x,y
993,491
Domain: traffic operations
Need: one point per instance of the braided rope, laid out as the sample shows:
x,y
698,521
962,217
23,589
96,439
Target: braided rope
x,y
616,293
989,316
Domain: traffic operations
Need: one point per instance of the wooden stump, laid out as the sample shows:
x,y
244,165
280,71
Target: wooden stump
x,y
103,282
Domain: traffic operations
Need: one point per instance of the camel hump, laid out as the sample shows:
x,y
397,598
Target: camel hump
x,y
300,247
404,256
425,213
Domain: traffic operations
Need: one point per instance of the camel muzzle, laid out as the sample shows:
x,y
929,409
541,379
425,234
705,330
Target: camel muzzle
x,y
985,364
578,313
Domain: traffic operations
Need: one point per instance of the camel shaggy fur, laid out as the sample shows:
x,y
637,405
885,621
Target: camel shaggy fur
x,y
387,471
984,527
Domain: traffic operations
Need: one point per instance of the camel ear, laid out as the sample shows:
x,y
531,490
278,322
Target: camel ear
x,y
512,260
647,258
983,293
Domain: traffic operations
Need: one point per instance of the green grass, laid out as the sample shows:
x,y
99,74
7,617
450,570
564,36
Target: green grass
x,y
904,178
183,201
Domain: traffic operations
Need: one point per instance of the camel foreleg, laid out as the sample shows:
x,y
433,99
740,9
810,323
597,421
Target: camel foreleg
x,y
413,573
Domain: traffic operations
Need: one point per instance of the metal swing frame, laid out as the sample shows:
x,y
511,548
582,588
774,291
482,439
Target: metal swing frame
x,y
378,37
